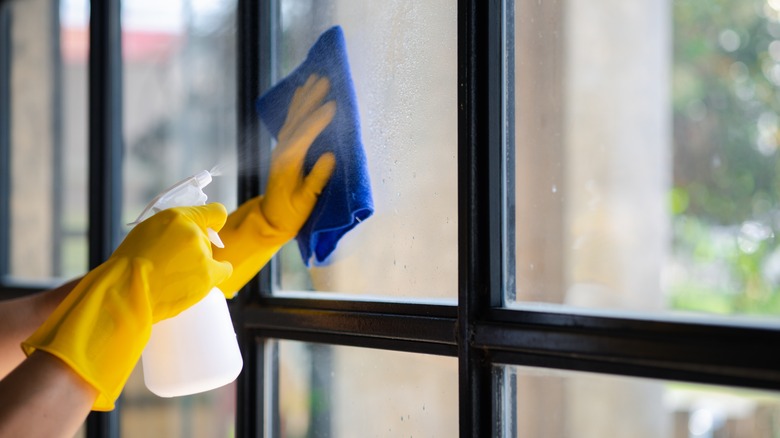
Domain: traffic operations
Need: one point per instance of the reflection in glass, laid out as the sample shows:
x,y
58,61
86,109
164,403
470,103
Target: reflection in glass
x,y
333,391
562,404
408,115
645,155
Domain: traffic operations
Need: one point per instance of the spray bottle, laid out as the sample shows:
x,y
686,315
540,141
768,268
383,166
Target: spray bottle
x,y
197,350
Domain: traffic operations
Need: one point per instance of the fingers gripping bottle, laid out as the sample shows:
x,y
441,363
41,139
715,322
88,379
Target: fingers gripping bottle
x,y
197,350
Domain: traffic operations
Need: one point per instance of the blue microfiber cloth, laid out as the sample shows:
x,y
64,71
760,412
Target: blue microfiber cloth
x,y
346,199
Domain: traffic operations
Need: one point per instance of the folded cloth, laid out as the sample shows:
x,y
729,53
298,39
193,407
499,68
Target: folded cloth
x,y
346,199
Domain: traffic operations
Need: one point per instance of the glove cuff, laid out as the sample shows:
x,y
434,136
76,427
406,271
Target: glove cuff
x,y
101,327
250,242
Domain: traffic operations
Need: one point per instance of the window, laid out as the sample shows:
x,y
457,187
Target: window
x,y
410,137
576,205
46,157
644,156
568,249
410,394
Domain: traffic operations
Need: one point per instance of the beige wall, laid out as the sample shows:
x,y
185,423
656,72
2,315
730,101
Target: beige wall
x,y
31,140
618,152
593,166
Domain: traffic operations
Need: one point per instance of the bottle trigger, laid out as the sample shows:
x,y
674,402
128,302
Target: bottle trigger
x,y
214,238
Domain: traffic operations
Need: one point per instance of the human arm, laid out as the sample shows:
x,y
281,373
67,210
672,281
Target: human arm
x,y
98,332
20,317
43,397
260,226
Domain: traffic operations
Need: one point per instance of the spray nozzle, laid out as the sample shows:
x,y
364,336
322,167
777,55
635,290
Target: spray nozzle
x,y
187,192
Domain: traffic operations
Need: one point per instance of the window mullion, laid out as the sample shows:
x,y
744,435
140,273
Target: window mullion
x,y
255,27
480,133
5,134
105,156
105,129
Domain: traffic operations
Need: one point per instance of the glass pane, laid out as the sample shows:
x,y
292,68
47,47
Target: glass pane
x,y
408,117
179,76
645,159
550,403
206,415
72,226
334,391
48,140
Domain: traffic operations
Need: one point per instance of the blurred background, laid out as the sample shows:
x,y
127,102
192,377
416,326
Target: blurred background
x,y
641,178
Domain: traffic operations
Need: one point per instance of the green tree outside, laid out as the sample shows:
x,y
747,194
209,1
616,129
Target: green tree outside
x,y
724,200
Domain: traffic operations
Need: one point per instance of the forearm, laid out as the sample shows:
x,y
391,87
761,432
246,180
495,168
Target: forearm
x,y
20,317
43,397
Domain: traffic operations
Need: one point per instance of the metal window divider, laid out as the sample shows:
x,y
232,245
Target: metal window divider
x,y
105,157
5,135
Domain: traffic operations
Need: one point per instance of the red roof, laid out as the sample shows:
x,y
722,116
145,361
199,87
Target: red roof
x,y
136,45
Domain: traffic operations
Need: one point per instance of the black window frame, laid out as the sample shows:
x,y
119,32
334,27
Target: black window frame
x,y
477,331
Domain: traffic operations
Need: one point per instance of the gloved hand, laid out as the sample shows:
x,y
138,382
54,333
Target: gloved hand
x,y
163,266
259,227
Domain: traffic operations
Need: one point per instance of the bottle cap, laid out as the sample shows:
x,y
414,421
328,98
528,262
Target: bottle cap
x,y
187,192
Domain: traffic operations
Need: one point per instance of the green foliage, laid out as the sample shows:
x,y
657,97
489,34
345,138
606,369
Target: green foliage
x,y
725,268
726,106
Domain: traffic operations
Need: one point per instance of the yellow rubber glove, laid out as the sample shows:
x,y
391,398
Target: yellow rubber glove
x,y
260,226
163,266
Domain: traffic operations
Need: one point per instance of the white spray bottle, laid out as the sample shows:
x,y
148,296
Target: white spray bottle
x,y
197,350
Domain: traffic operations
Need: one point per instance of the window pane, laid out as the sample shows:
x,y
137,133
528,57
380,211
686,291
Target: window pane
x,y
327,390
206,415
179,118
552,403
74,46
48,141
408,116
645,163
179,81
